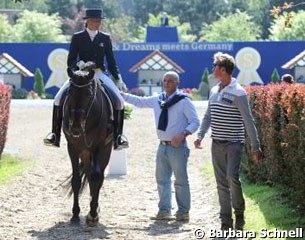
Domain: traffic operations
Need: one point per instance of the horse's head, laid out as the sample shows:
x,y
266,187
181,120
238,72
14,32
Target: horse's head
x,y
80,99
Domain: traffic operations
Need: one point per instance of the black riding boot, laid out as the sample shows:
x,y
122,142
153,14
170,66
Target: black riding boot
x,y
120,140
53,138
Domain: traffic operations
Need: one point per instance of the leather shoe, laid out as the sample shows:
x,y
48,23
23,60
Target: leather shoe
x,y
239,222
226,227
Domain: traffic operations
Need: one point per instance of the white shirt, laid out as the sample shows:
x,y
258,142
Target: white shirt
x,y
182,116
92,33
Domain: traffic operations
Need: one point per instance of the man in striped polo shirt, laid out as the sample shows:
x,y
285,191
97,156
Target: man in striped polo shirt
x,y
228,114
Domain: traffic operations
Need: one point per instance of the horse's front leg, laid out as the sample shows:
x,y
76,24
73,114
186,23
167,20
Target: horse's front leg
x,y
95,183
76,183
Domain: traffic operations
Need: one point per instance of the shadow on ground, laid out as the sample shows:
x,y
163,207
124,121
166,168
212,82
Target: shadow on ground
x,y
68,231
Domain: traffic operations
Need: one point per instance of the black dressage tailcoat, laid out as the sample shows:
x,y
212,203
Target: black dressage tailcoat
x,y
82,48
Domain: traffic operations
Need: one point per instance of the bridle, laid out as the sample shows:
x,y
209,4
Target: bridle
x,y
86,111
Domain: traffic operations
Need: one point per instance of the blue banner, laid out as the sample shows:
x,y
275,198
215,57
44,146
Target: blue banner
x,y
255,60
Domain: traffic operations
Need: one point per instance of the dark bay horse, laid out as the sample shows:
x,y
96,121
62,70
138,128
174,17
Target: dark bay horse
x,y
88,128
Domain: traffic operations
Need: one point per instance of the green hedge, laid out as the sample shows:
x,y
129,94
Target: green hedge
x,y
5,99
279,112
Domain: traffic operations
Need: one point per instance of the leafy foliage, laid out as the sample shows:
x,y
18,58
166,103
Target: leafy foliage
x,y
7,34
197,12
124,17
64,8
234,27
5,100
38,83
205,76
280,118
128,109
20,93
39,27
295,31
122,29
275,76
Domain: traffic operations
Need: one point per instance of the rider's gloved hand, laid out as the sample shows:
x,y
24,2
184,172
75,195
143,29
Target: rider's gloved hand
x,y
80,64
85,66
120,84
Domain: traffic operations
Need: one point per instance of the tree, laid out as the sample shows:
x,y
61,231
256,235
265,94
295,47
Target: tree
x,y
123,29
38,84
184,29
142,8
64,8
205,76
203,88
197,12
7,34
37,5
275,76
234,27
280,31
39,27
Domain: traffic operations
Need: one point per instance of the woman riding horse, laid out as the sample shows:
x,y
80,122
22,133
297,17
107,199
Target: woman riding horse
x,y
92,45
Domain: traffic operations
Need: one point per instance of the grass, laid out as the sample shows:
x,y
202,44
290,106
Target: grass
x,y
265,207
10,167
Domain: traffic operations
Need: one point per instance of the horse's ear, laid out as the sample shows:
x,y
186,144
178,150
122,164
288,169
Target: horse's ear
x,y
91,74
70,72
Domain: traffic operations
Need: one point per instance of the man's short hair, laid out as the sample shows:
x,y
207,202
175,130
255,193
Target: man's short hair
x,y
174,75
287,78
224,60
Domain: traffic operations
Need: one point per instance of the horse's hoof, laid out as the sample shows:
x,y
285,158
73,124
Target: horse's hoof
x,y
90,221
75,220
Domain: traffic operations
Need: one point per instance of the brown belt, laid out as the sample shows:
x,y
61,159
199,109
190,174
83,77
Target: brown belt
x,y
166,143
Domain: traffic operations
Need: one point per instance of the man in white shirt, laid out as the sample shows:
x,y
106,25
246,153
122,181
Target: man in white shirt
x,y
175,119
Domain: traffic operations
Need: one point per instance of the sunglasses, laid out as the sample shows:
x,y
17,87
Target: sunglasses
x,y
217,64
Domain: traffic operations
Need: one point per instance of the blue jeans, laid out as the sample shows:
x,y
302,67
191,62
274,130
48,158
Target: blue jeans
x,y
173,160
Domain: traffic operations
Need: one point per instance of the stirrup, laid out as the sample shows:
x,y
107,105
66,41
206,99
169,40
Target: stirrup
x,y
121,142
51,140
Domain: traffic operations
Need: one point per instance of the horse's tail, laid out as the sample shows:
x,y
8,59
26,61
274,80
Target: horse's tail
x,y
67,183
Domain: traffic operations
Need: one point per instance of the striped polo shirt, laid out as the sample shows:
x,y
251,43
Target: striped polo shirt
x,y
226,122
229,114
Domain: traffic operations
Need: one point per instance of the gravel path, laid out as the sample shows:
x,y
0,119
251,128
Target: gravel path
x,y
34,206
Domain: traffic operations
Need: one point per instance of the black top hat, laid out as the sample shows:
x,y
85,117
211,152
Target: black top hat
x,y
94,13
